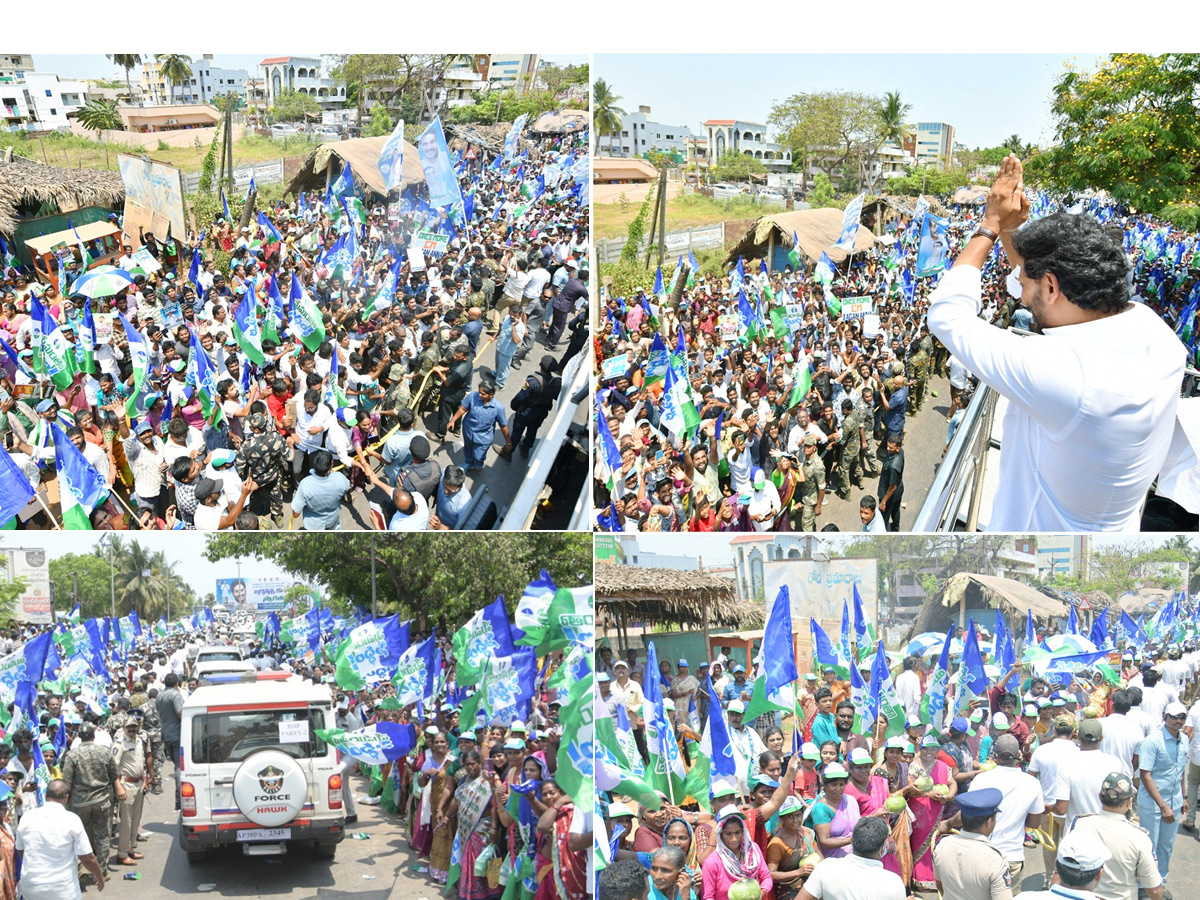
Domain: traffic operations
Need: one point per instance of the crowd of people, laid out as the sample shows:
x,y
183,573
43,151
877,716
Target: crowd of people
x,y
482,800
310,352
746,400
1088,769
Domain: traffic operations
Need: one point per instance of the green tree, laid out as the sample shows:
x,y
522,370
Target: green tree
x,y
292,106
175,69
606,115
82,578
1130,128
437,579
128,62
10,592
822,193
147,582
734,166
829,128
100,115
381,122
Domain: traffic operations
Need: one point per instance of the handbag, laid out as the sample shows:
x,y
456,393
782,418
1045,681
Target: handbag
x,y
493,872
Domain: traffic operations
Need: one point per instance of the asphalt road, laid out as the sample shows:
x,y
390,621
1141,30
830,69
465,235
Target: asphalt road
x,y
378,868
924,438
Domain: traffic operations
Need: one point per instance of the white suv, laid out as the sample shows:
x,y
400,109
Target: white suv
x,y
254,773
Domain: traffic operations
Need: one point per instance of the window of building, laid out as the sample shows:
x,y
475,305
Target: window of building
x,y
53,111
624,134
670,137
48,94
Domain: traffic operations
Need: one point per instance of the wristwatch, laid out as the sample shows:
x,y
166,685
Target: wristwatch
x,y
988,233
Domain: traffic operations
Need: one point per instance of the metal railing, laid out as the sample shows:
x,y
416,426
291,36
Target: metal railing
x,y
962,470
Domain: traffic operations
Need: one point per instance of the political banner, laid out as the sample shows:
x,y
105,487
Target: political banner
x,y
415,672
431,241
857,307
33,603
256,596
614,367
370,653
391,159
438,167
727,327
934,247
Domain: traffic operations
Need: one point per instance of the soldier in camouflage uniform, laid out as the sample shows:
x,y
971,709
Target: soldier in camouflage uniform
x,y
90,772
812,484
853,440
266,458
152,731
918,366
431,355
865,410
941,358
398,396
120,714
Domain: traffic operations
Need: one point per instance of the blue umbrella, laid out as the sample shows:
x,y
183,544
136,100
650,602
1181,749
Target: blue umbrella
x,y
102,281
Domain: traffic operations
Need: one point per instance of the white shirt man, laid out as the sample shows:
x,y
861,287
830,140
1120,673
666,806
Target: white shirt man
x,y
1022,799
747,747
1065,410
908,682
1122,736
1079,782
52,841
853,877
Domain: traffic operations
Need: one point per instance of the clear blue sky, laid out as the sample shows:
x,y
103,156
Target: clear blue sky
x,y
986,97
96,65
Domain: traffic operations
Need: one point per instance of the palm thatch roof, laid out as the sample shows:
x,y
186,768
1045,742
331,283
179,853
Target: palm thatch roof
x,y
24,182
971,196
1011,597
363,156
670,595
560,121
490,137
1145,601
816,229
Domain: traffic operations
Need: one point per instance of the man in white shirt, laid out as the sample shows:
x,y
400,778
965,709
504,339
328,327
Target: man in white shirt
x,y
313,419
1023,803
53,843
1058,752
746,743
908,682
1122,735
859,875
1080,446
1077,792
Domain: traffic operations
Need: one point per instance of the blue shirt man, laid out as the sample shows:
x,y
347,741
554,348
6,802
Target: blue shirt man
x,y
472,330
733,690
318,498
396,453
897,405
481,413
1163,757
452,499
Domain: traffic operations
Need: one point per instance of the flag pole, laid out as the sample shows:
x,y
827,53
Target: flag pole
x,y
53,521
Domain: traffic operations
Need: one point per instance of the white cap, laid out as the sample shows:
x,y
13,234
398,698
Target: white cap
x,y
1175,708
1083,851
736,706
617,808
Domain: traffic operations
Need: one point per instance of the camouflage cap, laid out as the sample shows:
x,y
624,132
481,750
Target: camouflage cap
x,y
1117,788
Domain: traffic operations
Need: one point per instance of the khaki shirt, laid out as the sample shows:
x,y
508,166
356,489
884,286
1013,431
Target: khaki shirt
x,y
969,868
130,756
1132,855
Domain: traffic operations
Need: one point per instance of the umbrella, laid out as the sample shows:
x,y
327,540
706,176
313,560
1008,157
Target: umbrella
x,y
102,281
1069,644
922,642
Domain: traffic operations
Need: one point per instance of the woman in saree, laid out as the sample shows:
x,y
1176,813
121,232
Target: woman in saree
x,y
473,805
8,864
433,782
518,808
566,876
786,481
834,814
678,833
790,845
735,859
927,808
668,878
871,792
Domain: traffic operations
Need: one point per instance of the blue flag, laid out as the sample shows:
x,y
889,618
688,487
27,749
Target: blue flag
x,y
415,673
225,206
822,647
41,657
779,661
1099,635
270,229
723,762
1132,630
1030,631
1072,621
81,487
15,489
844,639
972,674
860,618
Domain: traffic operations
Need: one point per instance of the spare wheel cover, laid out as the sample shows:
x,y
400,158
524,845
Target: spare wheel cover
x,y
270,788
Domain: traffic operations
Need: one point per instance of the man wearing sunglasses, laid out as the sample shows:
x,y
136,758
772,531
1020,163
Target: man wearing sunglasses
x,y
1162,758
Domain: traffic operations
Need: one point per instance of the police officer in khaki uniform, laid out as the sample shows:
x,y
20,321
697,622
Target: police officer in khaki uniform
x,y
1133,861
965,865
812,484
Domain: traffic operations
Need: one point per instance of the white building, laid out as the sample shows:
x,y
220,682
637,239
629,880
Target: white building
x,y
15,66
935,142
49,99
14,105
209,83
305,75
750,138
1063,555
458,84
511,71
639,135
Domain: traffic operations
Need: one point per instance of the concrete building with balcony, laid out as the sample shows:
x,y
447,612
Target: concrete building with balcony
x,y
458,84
508,71
305,75
749,138
49,99
14,106
639,135
15,66
208,82
935,142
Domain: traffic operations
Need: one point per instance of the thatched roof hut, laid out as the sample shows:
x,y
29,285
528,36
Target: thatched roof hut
x,y
687,599
1013,598
973,195
490,137
560,121
363,156
816,229
1146,601
32,185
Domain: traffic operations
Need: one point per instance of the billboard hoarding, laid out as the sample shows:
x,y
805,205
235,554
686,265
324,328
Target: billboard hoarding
x,y
256,596
33,604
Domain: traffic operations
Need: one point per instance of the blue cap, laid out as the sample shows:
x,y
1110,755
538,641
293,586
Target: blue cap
x,y
763,781
961,724
683,664
46,405
980,802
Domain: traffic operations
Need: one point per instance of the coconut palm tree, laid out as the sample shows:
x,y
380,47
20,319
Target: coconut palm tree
x,y
143,578
891,118
606,114
175,69
126,61
100,116
1012,143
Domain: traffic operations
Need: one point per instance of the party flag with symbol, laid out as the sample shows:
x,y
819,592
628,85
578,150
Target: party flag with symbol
x,y
81,487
